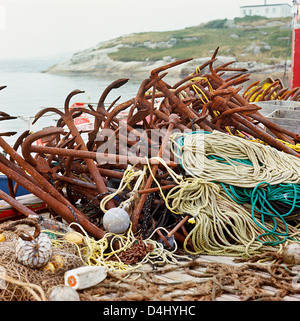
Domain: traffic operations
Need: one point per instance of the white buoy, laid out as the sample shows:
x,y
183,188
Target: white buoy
x,y
291,253
116,220
85,276
63,293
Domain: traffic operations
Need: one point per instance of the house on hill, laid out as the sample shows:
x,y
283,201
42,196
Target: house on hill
x,y
267,10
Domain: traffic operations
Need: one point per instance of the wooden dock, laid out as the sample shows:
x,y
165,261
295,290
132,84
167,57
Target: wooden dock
x,y
202,278
207,278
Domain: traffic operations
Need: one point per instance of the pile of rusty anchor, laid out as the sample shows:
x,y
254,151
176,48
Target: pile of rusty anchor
x,y
274,90
65,173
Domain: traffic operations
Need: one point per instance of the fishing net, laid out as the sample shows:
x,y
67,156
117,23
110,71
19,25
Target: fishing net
x,y
21,283
186,280
208,281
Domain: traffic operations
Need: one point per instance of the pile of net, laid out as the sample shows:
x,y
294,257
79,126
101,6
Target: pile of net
x,y
21,283
159,280
202,281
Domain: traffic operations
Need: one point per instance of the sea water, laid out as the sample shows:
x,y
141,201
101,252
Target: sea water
x,y
29,90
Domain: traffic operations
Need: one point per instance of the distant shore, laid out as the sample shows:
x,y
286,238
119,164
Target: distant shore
x,y
106,67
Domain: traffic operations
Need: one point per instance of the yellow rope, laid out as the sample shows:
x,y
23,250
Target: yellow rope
x,y
100,252
222,227
200,93
295,147
95,252
129,176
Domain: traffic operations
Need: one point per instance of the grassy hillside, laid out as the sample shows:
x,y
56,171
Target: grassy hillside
x,y
248,39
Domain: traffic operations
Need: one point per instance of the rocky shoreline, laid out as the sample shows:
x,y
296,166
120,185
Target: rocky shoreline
x,y
98,60
95,61
99,63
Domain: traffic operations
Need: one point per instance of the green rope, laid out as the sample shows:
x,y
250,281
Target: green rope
x,y
261,198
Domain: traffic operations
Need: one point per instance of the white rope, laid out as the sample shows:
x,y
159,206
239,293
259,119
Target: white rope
x,y
264,163
129,175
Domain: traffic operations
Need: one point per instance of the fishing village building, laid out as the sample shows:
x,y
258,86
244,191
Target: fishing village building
x,y
267,10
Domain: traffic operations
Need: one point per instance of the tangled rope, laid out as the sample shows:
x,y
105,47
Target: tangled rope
x,y
129,176
273,202
218,157
209,281
221,226
249,172
104,252
26,284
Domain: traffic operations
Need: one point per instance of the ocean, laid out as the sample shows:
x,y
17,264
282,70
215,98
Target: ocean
x,y
29,90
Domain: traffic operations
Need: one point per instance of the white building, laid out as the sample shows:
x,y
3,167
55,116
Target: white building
x,y
267,10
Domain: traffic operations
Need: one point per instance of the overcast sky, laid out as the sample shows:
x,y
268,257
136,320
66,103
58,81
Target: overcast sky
x,y
33,28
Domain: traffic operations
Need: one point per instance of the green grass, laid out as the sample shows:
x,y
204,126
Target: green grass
x,y
209,36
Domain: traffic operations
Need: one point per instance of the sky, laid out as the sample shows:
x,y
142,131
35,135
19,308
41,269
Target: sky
x,y
37,28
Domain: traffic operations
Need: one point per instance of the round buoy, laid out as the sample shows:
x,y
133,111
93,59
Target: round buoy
x,y
63,293
116,220
291,253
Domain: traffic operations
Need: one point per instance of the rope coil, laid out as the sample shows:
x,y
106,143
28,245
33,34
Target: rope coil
x,y
248,172
218,157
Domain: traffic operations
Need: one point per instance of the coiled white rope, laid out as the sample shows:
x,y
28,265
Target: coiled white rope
x,y
219,157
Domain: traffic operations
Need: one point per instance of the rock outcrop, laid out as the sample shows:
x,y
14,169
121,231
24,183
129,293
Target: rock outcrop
x,y
97,62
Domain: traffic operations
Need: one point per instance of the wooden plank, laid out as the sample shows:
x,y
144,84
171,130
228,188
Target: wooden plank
x,y
227,297
291,124
219,259
28,199
291,298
